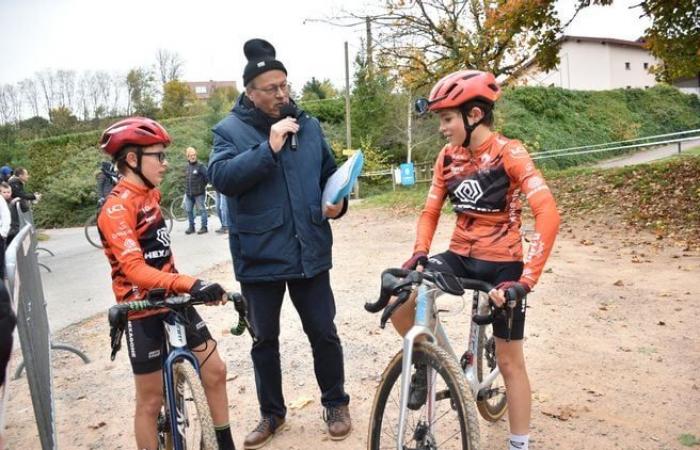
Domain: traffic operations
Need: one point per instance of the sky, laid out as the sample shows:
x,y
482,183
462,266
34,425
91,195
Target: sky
x,y
117,35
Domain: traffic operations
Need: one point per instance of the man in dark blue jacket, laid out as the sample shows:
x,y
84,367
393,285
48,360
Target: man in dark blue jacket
x,y
279,233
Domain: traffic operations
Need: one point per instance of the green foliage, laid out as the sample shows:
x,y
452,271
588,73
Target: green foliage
x,y
62,118
688,440
330,110
222,99
141,87
318,90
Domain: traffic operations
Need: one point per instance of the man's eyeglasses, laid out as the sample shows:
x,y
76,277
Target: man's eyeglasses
x,y
159,155
272,90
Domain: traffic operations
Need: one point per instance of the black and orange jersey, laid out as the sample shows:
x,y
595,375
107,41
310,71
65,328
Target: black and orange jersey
x,y
484,188
137,244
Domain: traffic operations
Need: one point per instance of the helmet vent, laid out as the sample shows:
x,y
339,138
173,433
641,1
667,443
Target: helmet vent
x,y
493,87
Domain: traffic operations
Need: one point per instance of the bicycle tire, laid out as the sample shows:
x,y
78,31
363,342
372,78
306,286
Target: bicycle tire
x,y
490,409
177,209
91,233
185,375
449,370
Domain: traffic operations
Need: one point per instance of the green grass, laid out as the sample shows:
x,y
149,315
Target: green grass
x,y
695,151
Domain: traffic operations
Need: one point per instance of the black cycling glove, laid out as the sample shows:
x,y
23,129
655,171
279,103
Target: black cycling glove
x,y
207,293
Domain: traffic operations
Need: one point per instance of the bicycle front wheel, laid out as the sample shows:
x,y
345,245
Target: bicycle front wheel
x,y
168,219
177,209
193,424
446,420
91,232
494,404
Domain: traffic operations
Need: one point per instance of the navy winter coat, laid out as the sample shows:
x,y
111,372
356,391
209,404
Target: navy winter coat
x,y
278,231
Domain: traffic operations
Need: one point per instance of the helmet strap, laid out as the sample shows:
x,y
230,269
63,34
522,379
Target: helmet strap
x,y
469,129
137,170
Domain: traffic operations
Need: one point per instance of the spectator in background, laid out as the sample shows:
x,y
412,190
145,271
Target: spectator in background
x,y
6,193
17,183
195,190
222,212
5,172
5,222
106,178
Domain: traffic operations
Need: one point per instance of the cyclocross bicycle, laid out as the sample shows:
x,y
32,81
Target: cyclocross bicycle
x,y
184,398
179,212
92,234
444,418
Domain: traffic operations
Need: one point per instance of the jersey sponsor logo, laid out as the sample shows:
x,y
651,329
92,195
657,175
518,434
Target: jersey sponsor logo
x,y
485,158
153,354
469,191
130,339
155,254
163,236
518,152
116,210
536,247
130,246
534,183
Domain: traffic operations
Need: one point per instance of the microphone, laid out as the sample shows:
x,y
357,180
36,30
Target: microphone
x,y
288,110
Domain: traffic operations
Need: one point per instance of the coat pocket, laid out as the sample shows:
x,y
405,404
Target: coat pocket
x,y
260,236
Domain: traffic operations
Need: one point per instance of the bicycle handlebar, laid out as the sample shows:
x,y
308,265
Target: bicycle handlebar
x,y
118,314
400,283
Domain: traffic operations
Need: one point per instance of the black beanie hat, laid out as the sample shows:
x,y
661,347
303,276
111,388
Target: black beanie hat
x,y
261,58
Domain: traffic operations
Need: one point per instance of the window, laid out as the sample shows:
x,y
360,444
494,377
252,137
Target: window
x,y
627,66
646,65
200,89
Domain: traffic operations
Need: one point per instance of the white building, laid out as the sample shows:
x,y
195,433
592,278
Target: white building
x,y
590,63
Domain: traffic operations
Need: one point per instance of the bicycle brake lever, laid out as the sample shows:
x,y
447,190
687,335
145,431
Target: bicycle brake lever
x,y
389,310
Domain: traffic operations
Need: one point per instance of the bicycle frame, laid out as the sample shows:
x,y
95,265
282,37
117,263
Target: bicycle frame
x,y
427,323
176,350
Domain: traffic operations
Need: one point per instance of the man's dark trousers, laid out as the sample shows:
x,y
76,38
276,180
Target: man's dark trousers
x,y
313,300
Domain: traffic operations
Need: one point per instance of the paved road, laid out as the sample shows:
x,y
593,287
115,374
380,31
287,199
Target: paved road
x,y
79,285
647,155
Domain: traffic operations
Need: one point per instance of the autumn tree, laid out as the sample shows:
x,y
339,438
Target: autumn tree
x,y
673,37
140,85
169,65
177,96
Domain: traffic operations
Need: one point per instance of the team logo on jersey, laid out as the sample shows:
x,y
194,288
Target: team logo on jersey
x,y
469,191
518,152
163,236
115,210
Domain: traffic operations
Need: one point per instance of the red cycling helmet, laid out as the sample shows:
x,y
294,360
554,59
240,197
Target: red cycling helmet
x,y
460,87
139,131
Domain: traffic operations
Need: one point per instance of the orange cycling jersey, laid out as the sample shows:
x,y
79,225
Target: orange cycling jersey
x,y
484,188
137,244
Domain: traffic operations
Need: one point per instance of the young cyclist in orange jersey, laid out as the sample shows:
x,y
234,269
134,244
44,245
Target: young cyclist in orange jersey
x,y
137,244
484,174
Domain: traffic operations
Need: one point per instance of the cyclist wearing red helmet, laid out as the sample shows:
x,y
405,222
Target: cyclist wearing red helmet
x,y
483,173
137,244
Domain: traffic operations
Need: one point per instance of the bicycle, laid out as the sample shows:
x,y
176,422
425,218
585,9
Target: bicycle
x,y
184,397
92,234
453,384
179,212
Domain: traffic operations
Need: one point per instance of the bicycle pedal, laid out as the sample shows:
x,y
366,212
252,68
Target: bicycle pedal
x,y
487,393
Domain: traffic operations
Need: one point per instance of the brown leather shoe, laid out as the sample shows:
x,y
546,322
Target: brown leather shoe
x,y
263,432
338,420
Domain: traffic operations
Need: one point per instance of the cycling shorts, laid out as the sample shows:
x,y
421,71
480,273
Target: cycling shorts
x,y
145,339
491,272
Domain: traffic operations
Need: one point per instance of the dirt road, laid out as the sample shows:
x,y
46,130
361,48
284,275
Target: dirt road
x,y
613,349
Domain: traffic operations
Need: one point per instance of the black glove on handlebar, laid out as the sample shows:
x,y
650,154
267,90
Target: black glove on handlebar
x,y
516,290
207,293
418,259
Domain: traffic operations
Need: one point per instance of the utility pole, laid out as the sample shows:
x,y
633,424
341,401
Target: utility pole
x,y
348,138
409,129
368,26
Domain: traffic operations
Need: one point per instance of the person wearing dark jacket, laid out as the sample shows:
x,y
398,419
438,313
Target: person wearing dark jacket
x,y
106,178
195,190
17,183
279,235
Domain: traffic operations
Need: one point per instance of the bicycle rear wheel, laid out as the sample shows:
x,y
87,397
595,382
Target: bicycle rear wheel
x,y
193,423
91,233
168,219
177,209
447,420
495,404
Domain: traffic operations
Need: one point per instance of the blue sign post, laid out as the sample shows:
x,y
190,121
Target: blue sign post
x,y
408,174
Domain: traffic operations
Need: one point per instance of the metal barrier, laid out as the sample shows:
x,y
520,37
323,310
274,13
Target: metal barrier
x,y
24,285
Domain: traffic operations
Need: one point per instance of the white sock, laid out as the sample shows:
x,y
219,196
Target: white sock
x,y
518,441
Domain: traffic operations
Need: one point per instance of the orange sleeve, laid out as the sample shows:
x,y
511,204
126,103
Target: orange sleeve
x,y
117,223
429,217
522,170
